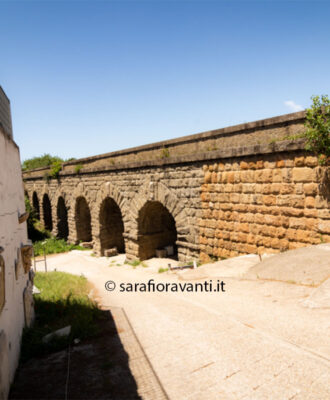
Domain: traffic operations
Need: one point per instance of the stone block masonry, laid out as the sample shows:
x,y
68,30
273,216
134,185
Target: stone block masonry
x,y
262,205
238,190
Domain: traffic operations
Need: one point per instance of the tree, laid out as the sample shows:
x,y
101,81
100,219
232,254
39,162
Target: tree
x,y
45,160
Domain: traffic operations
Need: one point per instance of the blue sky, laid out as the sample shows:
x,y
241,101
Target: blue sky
x,y
91,77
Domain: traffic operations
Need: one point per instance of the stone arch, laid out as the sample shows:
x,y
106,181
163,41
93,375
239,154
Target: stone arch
x,y
152,191
156,230
111,226
157,191
47,212
35,204
83,220
62,219
108,191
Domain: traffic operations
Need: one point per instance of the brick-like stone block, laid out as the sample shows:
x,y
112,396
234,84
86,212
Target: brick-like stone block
x,y
303,174
111,252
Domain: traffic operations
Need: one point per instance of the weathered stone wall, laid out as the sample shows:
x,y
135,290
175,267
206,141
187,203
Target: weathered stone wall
x,y
263,204
176,187
16,308
254,191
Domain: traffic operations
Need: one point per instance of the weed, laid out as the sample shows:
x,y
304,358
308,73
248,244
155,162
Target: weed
x,y
295,137
190,263
118,265
144,265
161,270
134,263
55,169
77,168
165,153
274,140
212,148
112,161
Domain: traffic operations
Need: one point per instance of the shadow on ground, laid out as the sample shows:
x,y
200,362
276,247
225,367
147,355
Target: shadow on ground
x,y
96,368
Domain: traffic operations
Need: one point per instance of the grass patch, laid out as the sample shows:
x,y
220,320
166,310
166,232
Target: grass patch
x,y
63,301
53,245
133,263
161,270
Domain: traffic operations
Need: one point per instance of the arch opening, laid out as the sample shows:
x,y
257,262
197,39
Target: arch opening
x,y
111,226
156,231
62,219
83,221
47,210
35,204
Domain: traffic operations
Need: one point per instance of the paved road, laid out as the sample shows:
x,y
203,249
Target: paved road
x,y
254,341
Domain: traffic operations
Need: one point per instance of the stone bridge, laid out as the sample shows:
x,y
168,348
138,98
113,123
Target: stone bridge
x,y
237,190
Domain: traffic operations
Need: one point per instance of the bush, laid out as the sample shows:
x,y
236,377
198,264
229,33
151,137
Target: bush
x,y
318,128
55,169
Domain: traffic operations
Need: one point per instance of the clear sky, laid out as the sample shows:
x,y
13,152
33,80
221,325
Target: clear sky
x,y
89,77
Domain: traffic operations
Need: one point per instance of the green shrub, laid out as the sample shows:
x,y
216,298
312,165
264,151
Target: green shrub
x,y
318,128
55,169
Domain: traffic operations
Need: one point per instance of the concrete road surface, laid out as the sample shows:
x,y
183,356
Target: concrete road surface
x,y
255,340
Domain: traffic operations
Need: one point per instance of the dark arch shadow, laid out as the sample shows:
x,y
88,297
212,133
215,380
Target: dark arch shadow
x,y
156,230
47,209
62,219
35,204
111,226
83,220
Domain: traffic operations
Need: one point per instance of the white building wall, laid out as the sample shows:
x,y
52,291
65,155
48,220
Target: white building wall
x,y
12,236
